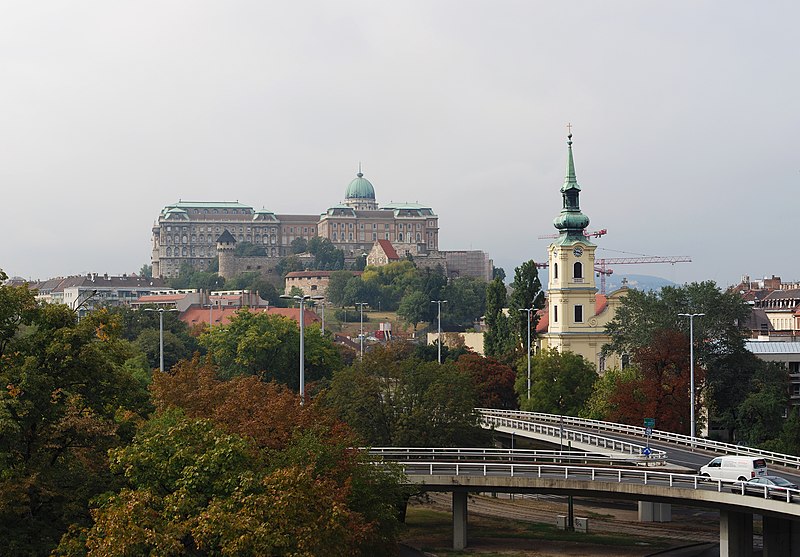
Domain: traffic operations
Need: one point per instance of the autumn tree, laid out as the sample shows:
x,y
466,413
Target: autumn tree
x,y
493,381
68,396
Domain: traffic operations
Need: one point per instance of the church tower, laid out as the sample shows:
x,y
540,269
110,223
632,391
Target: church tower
x,y
573,320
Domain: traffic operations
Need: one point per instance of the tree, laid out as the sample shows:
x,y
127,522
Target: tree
x,y
288,264
466,297
718,335
327,257
498,272
149,342
413,308
493,381
561,383
498,341
604,403
268,346
249,249
299,245
68,396
526,293
392,399
336,287
760,416
146,271
17,308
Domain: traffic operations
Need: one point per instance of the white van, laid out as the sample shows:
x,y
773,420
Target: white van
x,y
735,468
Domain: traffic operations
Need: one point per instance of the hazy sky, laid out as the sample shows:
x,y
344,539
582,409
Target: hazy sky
x,y
685,119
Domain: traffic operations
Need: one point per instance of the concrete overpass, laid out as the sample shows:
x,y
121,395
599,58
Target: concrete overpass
x,y
450,473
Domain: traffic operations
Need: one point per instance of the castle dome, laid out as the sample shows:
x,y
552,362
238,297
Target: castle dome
x,y
360,188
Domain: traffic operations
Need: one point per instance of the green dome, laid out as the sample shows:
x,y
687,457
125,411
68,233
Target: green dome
x,y
360,188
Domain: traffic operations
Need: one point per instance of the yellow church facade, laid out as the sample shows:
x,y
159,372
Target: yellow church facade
x,y
576,315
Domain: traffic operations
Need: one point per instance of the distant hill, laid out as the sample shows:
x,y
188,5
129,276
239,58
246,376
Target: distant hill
x,y
639,282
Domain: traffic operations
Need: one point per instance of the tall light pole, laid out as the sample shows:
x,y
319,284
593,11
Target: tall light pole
x,y
529,310
160,334
439,336
691,317
322,305
361,334
302,299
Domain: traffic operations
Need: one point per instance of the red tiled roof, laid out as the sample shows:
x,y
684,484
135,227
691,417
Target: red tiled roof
x,y
389,250
222,315
161,298
600,303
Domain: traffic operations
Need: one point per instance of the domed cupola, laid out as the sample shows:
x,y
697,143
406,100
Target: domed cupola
x,y
571,222
360,194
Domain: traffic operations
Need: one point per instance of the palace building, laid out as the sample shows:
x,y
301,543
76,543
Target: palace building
x,y
187,232
576,315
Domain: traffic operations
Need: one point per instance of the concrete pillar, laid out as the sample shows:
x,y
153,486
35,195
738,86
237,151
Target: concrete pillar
x,y
795,538
655,512
777,537
459,520
735,534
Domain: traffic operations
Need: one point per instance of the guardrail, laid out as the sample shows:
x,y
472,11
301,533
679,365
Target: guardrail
x,y
625,447
615,475
520,456
789,461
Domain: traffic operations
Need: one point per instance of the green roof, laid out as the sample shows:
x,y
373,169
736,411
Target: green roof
x,y
360,188
209,205
571,222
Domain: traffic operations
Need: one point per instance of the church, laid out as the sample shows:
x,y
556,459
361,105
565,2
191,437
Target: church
x,y
576,314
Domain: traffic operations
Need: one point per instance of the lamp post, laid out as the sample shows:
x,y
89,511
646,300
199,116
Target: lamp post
x,y
322,305
302,299
691,317
439,335
361,334
160,334
529,310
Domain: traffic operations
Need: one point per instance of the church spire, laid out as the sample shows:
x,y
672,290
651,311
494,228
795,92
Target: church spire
x,y
571,222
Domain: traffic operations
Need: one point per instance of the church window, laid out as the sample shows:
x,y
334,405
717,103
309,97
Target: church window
x,y
555,314
555,270
185,239
578,270
578,314
184,252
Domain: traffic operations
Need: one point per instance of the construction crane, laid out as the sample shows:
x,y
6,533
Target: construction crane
x,y
601,265
595,234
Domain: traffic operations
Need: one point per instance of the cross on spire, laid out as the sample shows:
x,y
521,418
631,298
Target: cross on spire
x,y
569,129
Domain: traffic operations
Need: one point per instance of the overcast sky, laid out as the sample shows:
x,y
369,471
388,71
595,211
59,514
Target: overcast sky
x,y
685,120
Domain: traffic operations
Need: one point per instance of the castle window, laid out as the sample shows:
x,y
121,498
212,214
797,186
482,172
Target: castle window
x,y
169,229
374,236
334,236
578,314
399,236
351,236
169,252
578,270
555,270
418,237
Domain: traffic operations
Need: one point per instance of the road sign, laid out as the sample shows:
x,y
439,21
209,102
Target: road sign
x,y
646,451
650,422
648,431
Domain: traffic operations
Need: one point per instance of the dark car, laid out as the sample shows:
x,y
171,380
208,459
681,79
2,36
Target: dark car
x,y
772,486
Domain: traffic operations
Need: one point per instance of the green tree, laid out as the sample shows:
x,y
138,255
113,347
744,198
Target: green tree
x,y
149,342
498,272
299,245
603,403
146,271
288,264
760,415
249,249
498,342
466,297
327,257
526,293
268,346
413,308
561,383
336,287
393,399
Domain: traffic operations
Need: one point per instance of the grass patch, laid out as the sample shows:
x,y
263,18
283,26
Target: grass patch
x,y
432,530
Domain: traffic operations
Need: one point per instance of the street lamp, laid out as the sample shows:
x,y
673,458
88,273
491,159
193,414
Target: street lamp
x,y
361,334
302,299
161,334
691,317
529,310
439,336
322,305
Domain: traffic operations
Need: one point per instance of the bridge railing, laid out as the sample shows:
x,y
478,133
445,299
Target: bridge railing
x,y
790,461
634,450
523,456
584,473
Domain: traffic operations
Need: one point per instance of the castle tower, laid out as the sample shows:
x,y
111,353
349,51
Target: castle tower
x,y
360,194
226,250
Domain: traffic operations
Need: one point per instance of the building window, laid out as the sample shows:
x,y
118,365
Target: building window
x,y
169,252
555,270
578,270
626,361
555,314
399,236
578,314
374,236
334,236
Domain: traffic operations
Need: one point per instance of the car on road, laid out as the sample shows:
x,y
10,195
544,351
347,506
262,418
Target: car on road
x,y
773,486
735,468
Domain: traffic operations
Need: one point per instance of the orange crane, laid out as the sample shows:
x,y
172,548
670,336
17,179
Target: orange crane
x,y
601,265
